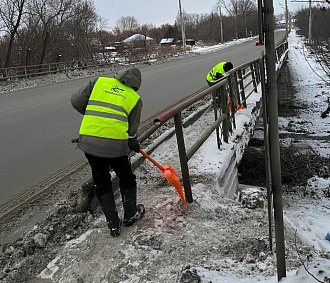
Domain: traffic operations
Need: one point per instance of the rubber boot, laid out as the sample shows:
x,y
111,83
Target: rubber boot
x,y
132,212
108,206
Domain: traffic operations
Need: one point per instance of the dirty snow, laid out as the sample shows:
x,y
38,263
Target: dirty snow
x,y
212,239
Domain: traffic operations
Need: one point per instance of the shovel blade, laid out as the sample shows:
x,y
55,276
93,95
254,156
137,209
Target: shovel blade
x,y
169,173
172,177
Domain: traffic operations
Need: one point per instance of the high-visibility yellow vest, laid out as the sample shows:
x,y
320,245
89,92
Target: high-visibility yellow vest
x,y
211,76
107,111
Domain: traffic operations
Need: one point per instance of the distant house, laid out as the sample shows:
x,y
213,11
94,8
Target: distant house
x,y
110,49
167,41
114,47
280,24
190,41
137,42
136,38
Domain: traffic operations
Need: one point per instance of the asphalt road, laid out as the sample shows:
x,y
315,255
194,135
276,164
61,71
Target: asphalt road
x,y
37,124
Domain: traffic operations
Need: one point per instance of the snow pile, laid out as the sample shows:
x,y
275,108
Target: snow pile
x,y
217,47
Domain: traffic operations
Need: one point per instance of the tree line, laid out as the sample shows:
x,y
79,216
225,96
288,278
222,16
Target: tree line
x,y
320,23
320,32
48,31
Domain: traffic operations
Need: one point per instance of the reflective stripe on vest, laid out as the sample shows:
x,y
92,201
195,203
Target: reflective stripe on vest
x,y
211,76
107,111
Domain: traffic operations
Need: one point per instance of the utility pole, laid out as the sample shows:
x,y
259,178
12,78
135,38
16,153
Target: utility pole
x,y
290,22
310,16
286,20
310,23
182,29
221,30
274,144
260,22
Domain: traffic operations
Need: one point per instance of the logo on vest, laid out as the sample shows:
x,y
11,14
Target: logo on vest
x,y
116,91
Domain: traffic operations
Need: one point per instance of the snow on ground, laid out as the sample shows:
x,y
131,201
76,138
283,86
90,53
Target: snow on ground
x,y
312,85
209,49
212,239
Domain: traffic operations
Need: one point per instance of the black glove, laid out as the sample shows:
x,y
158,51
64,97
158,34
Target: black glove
x,y
134,144
218,75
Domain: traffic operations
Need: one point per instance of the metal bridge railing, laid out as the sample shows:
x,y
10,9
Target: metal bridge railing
x,y
234,90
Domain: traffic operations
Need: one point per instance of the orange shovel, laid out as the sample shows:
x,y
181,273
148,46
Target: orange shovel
x,y
170,175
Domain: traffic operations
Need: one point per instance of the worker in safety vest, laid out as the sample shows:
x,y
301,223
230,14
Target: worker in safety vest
x,y
218,72
112,111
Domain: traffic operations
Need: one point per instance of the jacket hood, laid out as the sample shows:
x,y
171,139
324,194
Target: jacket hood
x,y
130,77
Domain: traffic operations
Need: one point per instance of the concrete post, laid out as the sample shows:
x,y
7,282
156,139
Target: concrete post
x,y
271,90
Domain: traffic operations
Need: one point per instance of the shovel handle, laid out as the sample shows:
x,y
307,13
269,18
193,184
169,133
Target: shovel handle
x,y
150,159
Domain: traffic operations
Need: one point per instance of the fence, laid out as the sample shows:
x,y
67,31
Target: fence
x,y
111,62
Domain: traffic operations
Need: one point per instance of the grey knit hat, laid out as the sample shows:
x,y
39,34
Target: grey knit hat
x,y
130,77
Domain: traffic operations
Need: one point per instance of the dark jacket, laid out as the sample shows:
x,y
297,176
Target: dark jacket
x,y
104,147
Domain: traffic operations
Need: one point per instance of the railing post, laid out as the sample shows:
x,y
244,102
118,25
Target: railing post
x,y
257,72
183,157
214,94
233,101
237,87
241,83
224,109
253,77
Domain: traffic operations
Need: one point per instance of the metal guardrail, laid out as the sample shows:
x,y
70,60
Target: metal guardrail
x,y
52,68
234,90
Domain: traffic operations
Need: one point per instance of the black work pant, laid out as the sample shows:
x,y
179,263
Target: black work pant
x,y
101,173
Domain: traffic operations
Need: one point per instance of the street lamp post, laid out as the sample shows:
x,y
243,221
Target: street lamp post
x,y
310,23
261,22
182,29
221,30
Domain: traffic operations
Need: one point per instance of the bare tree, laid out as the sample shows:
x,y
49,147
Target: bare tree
x,y
144,30
321,35
11,12
42,29
82,31
238,9
50,16
231,6
127,24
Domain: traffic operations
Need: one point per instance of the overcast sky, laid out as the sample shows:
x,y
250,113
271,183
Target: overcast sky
x,y
158,12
